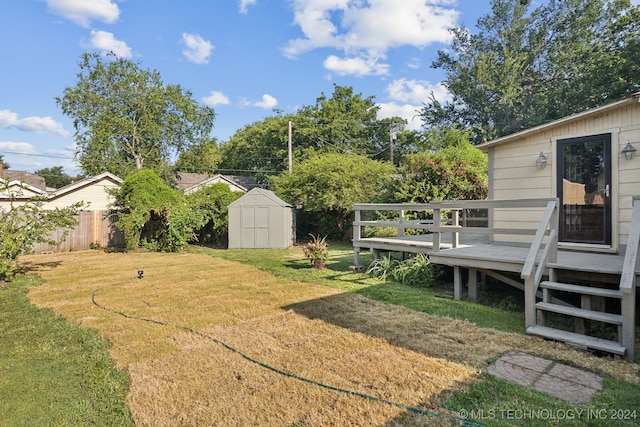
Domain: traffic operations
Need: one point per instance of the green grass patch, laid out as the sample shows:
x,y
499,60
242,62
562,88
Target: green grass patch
x,y
290,263
52,372
497,402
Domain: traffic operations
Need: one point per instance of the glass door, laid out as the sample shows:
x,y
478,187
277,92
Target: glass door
x,y
584,189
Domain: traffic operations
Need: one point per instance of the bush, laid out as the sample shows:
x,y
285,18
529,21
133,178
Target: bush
x,y
417,271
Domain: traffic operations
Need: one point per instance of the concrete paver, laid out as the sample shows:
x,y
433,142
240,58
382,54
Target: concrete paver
x,y
562,381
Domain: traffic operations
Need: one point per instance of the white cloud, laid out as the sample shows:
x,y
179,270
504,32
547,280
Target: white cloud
x,y
407,97
33,124
416,91
267,102
355,66
368,29
17,147
197,49
106,42
244,5
216,98
407,111
82,12
414,63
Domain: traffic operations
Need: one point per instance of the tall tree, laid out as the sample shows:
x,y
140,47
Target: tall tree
x,y
527,66
54,177
126,118
326,186
202,157
345,122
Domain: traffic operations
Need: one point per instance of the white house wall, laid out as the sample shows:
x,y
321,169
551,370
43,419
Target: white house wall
x,y
514,174
95,194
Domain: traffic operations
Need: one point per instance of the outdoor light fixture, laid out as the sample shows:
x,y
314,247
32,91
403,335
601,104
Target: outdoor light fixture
x,y
140,273
541,161
629,152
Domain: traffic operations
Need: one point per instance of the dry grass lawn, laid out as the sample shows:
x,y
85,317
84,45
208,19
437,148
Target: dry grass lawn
x,y
340,339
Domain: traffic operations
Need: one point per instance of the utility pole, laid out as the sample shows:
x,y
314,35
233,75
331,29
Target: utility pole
x,y
290,155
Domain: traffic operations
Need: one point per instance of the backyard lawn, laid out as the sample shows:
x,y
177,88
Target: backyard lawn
x,y
260,338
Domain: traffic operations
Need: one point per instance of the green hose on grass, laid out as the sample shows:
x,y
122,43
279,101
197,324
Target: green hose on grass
x,y
281,372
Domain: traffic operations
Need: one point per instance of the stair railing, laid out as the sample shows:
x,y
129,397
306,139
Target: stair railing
x,y
628,282
533,270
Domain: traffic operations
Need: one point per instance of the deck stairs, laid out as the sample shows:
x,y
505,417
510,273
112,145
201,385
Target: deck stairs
x,y
592,302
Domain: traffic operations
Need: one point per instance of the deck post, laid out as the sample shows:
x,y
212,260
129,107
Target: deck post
x,y
401,227
356,237
436,234
529,302
455,236
457,283
629,322
472,284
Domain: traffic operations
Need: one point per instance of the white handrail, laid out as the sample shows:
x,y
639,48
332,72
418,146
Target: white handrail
x,y
627,279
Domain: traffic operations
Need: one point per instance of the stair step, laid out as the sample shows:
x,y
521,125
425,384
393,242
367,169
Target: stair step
x,y
584,290
577,339
600,316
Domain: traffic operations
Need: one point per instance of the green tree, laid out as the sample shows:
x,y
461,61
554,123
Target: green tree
x,y
210,204
260,149
24,224
126,118
5,165
201,157
452,169
152,214
527,66
345,123
54,177
326,186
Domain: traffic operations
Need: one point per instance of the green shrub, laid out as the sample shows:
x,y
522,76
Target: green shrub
x,y
417,271
382,268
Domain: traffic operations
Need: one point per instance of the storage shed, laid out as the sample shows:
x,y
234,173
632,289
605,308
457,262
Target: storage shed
x,y
260,219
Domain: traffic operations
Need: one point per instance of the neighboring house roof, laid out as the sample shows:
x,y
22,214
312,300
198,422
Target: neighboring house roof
x,y
188,179
31,179
84,183
565,120
20,190
191,182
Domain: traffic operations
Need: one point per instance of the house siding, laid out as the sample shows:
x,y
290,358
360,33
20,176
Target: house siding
x,y
514,173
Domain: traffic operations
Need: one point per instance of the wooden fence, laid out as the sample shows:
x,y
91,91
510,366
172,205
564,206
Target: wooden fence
x,y
95,228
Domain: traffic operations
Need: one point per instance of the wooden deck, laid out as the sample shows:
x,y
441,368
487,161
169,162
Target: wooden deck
x,y
533,253
475,251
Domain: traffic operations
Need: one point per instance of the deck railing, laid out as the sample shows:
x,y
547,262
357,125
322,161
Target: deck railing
x,y
628,281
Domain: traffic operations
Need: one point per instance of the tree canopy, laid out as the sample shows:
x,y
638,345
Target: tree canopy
x,y
326,186
344,122
126,118
54,177
529,65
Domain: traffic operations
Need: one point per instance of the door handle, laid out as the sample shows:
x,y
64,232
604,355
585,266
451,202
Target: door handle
x,y
606,190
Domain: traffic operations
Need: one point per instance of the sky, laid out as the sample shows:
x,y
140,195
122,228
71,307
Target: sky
x,y
244,58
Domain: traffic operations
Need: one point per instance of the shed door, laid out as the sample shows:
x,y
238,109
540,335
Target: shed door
x,y
584,189
255,226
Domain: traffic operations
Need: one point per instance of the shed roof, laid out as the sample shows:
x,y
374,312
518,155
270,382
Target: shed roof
x,y
565,120
270,195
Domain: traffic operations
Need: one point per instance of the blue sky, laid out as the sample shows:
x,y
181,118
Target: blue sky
x,y
242,57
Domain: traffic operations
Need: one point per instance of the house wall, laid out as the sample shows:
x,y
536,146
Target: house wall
x,y
514,174
95,194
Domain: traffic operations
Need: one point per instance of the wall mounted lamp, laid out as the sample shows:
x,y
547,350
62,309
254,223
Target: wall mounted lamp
x,y
541,161
629,151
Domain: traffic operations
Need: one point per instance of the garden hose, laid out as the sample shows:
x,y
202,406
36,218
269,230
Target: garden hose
x,y
279,371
